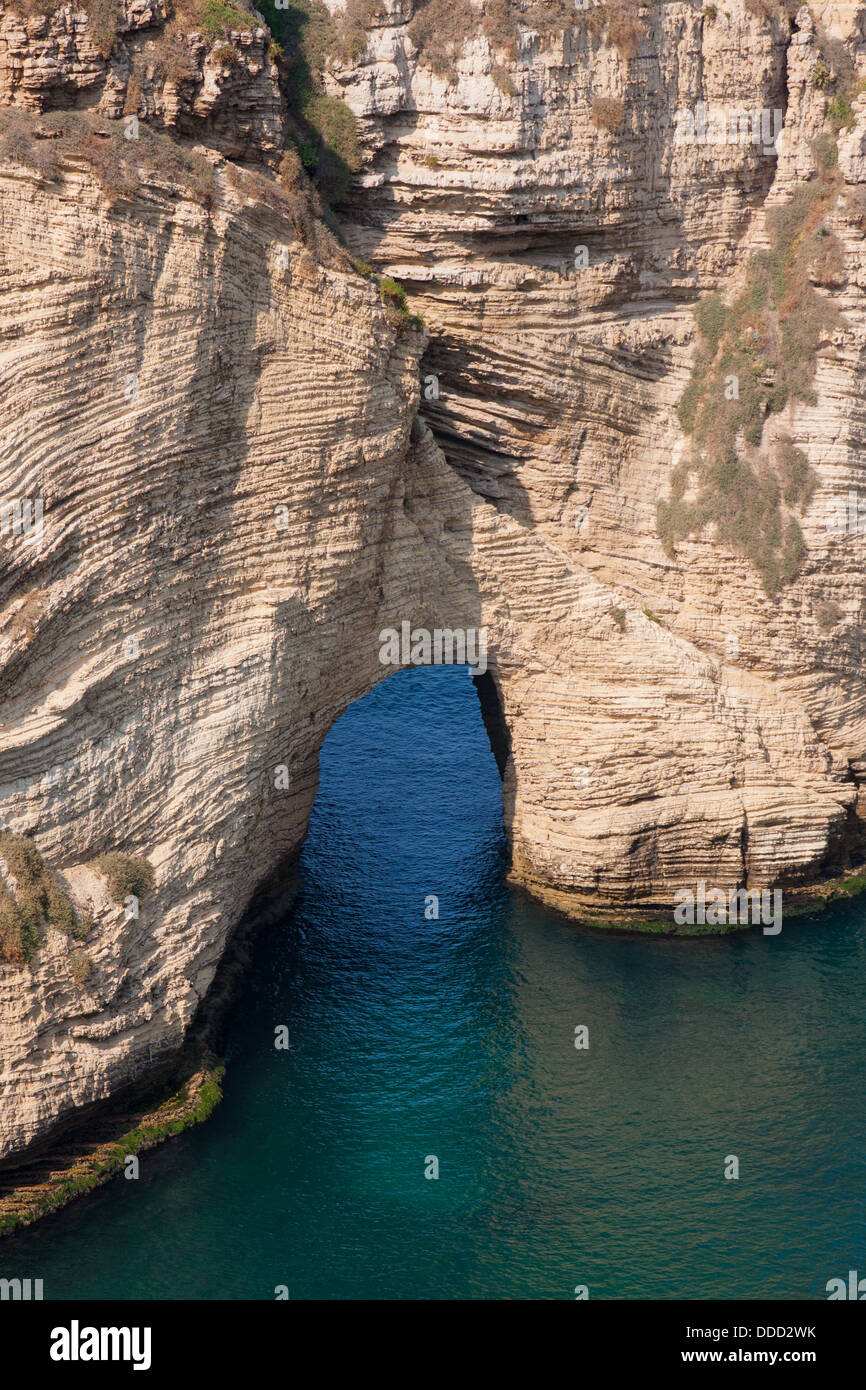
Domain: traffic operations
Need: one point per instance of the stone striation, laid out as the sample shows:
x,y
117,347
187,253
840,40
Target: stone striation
x,y
557,386
216,411
223,92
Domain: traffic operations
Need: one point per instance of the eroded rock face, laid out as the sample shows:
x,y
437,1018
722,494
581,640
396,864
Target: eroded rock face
x,y
221,423
557,381
216,412
177,79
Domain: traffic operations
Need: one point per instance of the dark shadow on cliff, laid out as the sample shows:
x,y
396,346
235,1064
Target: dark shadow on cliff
x,y
325,131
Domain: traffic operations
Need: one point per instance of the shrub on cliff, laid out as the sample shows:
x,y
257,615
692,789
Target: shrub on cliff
x,y
38,899
219,17
339,154
501,26
625,28
551,16
106,18
840,112
621,20
226,55
394,293
23,861
439,29
127,875
174,61
18,146
80,967
504,81
828,614
352,26
393,296
752,357
19,933
608,113
798,480
291,170
326,132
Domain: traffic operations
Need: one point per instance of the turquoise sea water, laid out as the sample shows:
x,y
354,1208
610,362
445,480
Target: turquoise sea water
x,y
454,1038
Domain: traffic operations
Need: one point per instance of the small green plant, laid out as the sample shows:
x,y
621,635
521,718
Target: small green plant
x,y
394,295
822,78
39,899
828,614
127,875
19,933
307,153
618,616
840,112
503,80
106,18
220,17
226,55
710,13
80,967
338,155
439,29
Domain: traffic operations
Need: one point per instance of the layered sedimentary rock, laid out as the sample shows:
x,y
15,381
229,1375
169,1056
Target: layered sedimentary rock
x,y
173,77
215,410
556,385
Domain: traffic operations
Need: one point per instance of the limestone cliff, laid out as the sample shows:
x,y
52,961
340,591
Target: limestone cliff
x,y
717,731
213,402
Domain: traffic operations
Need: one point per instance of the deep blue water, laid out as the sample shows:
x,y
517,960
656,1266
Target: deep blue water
x,y
414,1037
